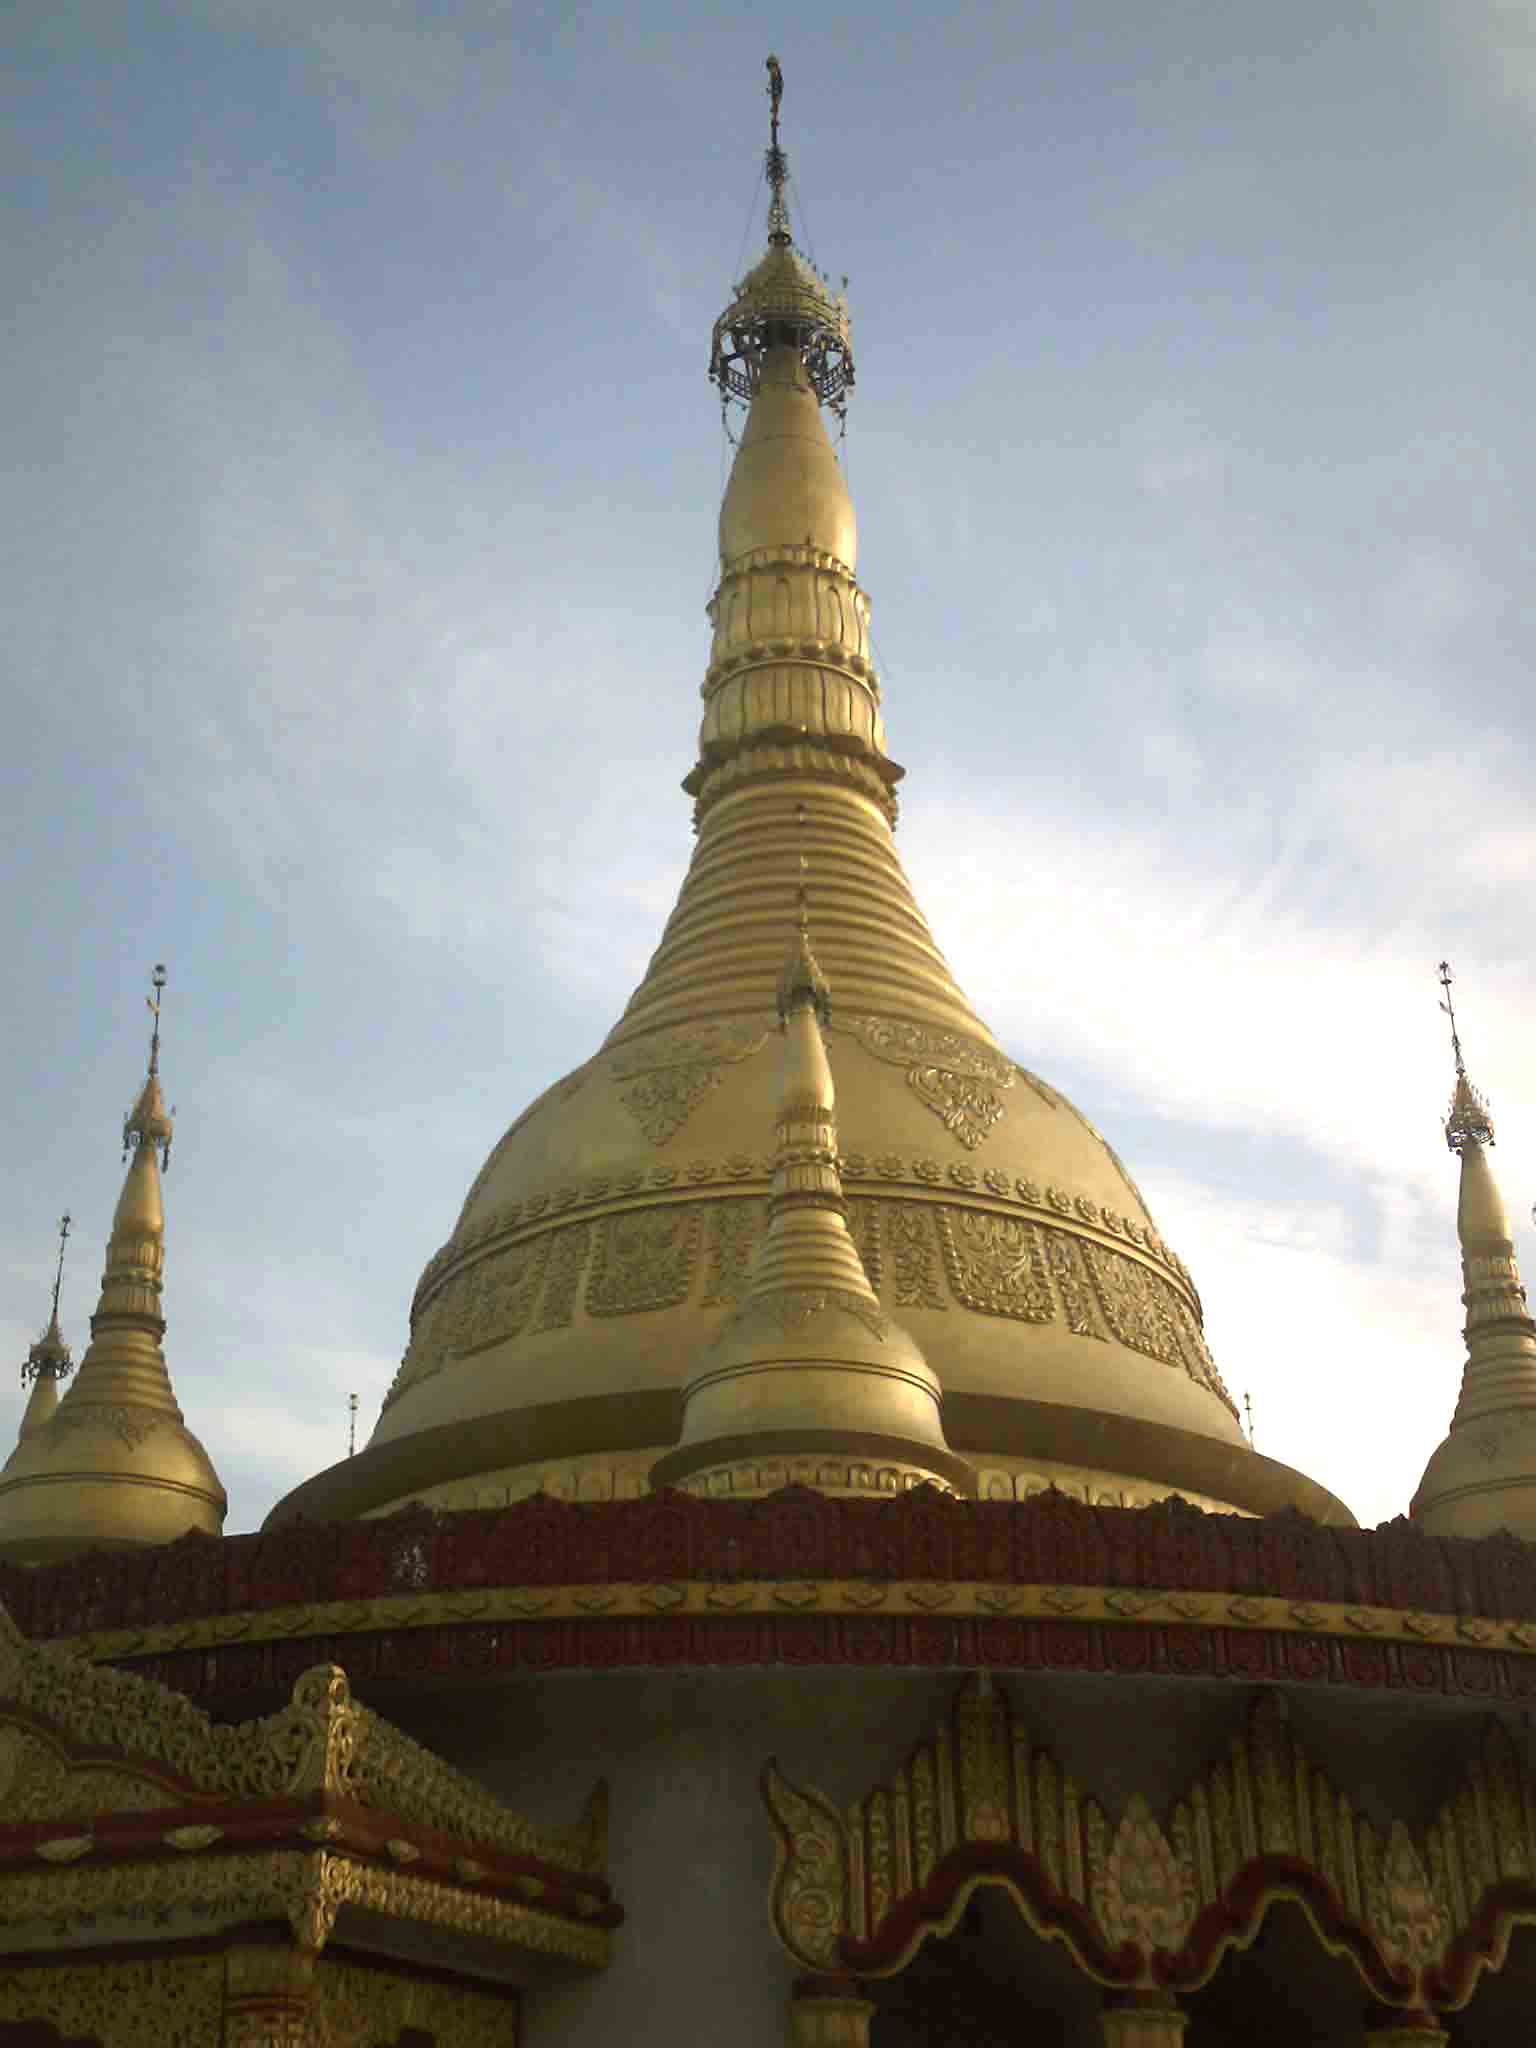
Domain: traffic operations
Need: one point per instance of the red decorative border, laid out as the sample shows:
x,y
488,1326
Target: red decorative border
x,y
1006,1643
797,1534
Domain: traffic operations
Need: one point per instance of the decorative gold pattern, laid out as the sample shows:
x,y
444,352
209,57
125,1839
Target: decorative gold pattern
x,y
322,1741
907,1232
734,1231
568,1255
159,2002
644,1260
484,1606
39,1781
670,1072
957,1078
372,2008
661,1103
810,1883
305,1888
996,1265
1144,1886
752,1478
535,1211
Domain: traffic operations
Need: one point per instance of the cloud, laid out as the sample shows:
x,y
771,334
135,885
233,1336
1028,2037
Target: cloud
x,y
1353,1363
1496,39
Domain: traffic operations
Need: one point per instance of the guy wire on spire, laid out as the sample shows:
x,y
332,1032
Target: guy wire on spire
x,y
1446,978
58,1271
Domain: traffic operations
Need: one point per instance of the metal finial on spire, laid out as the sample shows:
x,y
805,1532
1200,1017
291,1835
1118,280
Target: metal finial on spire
x,y
351,1425
157,983
149,1122
782,302
777,162
50,1354
1468,1121
1248,1413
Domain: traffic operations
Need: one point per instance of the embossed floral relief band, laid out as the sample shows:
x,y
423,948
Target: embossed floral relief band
x,y
1418,1912
1368,1629
636,1259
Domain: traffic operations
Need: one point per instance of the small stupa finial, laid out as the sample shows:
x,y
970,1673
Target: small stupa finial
x,y
149,1121
50,1355
1467,1121
777,162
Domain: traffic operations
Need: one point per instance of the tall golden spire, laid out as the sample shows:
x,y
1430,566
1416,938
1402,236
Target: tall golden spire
x,y
617,1217
810,1374
116,1463
1483,1476
50,1359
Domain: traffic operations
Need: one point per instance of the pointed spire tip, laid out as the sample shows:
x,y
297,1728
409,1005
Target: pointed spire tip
x,y
1468,1121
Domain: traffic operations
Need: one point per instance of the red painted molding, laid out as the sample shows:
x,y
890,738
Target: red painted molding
x,y
798,1534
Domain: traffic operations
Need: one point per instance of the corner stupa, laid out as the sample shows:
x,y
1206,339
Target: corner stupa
x,y
1483,1475
614,1226
113,1463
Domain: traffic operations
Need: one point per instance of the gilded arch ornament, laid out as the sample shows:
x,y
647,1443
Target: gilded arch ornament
x,y
1151,1905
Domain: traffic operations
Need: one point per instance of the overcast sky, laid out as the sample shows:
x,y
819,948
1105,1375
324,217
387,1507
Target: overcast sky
x,y
361,479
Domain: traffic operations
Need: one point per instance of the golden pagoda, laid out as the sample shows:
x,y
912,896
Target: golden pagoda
x,y
113,1462
614,1225
791,1435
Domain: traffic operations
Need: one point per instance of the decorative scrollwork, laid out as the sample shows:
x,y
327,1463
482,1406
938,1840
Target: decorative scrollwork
x,y
1146,1905
670,1072
810,1883
644,1260
996,1264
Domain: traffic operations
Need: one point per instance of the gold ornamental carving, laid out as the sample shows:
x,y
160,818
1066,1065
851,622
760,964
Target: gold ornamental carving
x,y
996,1264
539,1210
733,1234
668,1074
370,2007
129,1425
644,1260
158,2002
567,1259
912,1255
957,1078
860,1890
54,1706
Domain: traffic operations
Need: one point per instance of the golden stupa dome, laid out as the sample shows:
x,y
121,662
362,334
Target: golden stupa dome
x,y
613,1227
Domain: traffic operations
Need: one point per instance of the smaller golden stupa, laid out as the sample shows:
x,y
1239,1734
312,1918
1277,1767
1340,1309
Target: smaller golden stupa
x,y
113,1463
1483,1476
810,1365
50,1359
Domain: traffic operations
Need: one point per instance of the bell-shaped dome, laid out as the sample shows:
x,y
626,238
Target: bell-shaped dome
x,y
613,1227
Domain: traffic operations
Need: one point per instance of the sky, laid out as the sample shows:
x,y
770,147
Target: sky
x,y
360,484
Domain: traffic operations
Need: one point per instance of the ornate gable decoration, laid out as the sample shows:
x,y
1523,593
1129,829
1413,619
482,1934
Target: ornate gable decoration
x,y
1144,1904
120,1799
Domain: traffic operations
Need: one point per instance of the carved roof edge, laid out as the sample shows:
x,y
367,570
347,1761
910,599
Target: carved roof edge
x,y
324,1744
